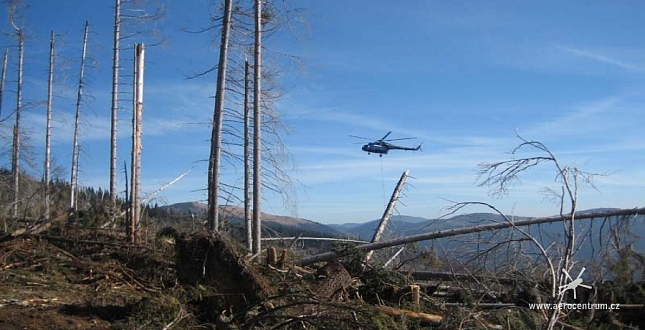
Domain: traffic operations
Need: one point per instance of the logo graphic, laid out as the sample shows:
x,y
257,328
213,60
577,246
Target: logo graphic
x,y
573,284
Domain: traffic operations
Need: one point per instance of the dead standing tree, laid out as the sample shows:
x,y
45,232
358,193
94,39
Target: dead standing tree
x,y
214,161
15,153
247,158
114,109
2,81
3,77
130,17
137,123
50,86
257,130
75,145
237,120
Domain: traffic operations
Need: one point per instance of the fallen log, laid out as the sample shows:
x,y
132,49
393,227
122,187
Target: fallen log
x,y
424,317
446,276
468,230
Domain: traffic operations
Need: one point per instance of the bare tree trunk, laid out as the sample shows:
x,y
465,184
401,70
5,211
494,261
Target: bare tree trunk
x,y
386,215
48,133
214,162
257,130
3,76
127,195
247,159
2,80
135,199
75,151
15,154
114,106
467,230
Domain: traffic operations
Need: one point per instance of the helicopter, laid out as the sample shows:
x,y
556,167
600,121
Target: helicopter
x,y
382,147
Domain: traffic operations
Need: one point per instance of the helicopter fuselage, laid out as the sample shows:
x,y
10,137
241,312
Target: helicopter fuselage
x,y
375,147
381,147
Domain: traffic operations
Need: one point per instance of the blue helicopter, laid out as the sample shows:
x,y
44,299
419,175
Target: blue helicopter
x,y
381,147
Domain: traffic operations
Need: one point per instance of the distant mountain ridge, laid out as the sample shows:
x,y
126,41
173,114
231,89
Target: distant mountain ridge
x,y
399,225
188,208
402,225
236,214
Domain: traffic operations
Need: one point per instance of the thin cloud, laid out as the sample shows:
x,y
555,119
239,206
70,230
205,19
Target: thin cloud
x,y
585,118
603,59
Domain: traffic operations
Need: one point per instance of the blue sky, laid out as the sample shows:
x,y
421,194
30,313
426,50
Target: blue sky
x,y
460,76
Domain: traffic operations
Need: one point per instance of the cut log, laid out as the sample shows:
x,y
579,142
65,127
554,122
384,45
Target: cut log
x,y
424,317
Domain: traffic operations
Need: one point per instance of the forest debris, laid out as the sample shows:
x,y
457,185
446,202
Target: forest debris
x,y
38,228
181,314
298,271
424,317
34,302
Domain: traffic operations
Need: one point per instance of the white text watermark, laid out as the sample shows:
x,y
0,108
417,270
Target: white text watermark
x,y
575,306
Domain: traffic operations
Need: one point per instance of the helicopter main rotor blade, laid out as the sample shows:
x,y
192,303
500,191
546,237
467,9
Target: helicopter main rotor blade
x,y
399,139
386,135
360,137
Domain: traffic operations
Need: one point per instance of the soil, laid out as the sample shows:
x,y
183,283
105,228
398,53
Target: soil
x,y
49,282
95,279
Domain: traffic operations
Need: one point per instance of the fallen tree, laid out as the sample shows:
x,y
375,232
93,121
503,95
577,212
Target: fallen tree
x,y
327,256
